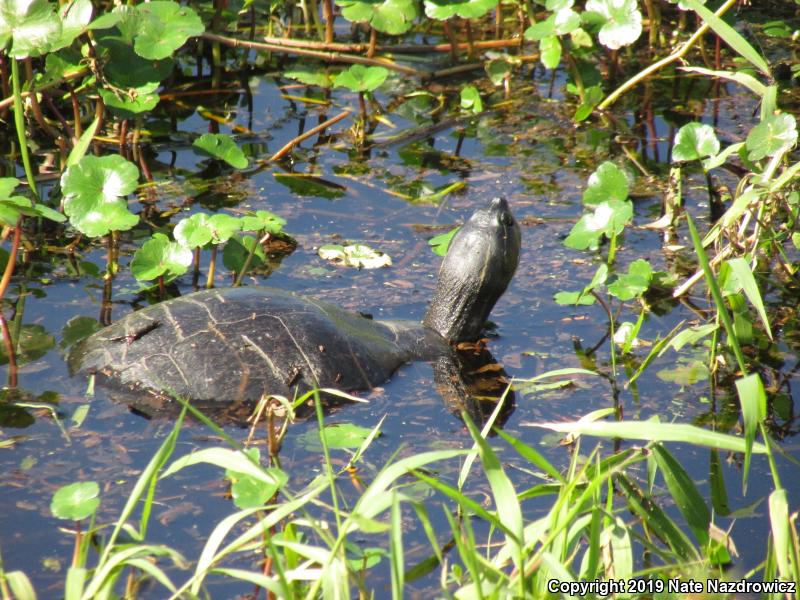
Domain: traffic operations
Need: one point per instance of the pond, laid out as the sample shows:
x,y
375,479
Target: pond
x,y
528,150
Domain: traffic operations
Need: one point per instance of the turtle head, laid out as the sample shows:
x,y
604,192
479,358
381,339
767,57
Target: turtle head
x,y
479,265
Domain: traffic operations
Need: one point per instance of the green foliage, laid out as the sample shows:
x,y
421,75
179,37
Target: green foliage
x,y
135,100
440,243
608,219
471,99
634,283
337,436
775,134
221,147
160,257
443,10
394,17
250,491
263,220
695,141
30,27
608,182
358,78
237,251
160,27
622,21
14,207
360,256
75,501
201,229
94,194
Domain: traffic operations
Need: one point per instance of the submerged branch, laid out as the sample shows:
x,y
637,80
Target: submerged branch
x,y
321,55
313,131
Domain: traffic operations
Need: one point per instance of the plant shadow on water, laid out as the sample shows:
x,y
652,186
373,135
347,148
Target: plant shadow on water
x,y
535,158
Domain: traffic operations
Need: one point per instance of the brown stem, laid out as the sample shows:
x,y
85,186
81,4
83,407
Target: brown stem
x,y
212,265
123,138
324,56
470,40
373,41
362,107
327,15
391,48
106,306
448,31
9,101
498,20
196,270
313,131
12,259
36,109
12,356
76,549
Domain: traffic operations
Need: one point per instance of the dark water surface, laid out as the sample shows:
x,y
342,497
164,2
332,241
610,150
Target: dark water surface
x,y
535,158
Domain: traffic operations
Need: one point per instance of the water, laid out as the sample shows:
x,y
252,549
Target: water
x,y
532,155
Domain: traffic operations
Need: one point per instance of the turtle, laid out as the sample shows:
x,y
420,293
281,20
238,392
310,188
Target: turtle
x,y
242,343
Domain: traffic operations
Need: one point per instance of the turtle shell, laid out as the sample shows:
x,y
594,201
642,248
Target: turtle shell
x,y
237,344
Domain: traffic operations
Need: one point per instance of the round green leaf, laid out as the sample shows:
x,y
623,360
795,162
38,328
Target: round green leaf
x,y
394,17
30,26
471,99
237,249
550,51
310,75
623,21
159,256
134,102
608,182
94,191
340,435
776,133
33,343
222,147
263,220
695,141
163,27
443,10
75,501
359,78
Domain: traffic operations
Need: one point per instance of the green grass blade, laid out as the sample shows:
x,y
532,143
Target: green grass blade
x,y
20,585
396,548
532,456
685,493
509,511
745,276
730,36
780,526
711,281
657,520
655,432
753,400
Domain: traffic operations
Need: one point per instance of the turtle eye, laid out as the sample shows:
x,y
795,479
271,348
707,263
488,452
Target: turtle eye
x,y
506,219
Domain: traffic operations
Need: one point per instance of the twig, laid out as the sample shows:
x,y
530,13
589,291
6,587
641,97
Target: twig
x,y
389,49
613,96
313,131
7,102
325,56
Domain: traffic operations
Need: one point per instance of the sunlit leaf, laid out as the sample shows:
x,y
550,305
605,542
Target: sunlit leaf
x,y
388,16
263,220
94,191
695,141
607,182
163,27
75,501
359,78
355,255
160,257
623,21
777,133
443,10
222,147
238,249
634,283
471,99
440,243
30,26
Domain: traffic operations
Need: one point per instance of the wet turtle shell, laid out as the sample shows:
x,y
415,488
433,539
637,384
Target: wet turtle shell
x,y
242,343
